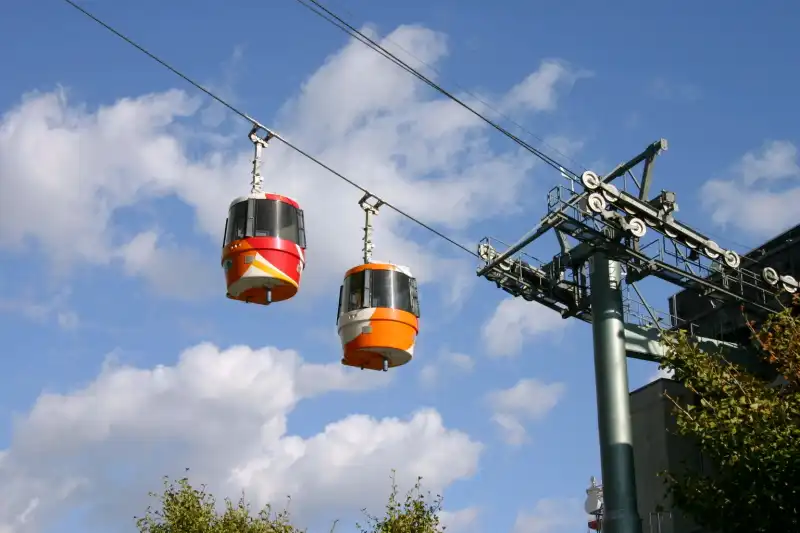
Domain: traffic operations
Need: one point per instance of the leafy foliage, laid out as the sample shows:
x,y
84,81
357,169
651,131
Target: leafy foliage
x,y
749,431
419,513
185,509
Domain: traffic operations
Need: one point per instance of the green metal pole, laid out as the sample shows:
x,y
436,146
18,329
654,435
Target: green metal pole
x,y
620,513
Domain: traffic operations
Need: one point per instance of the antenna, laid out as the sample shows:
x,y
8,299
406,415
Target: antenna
x,y
594,498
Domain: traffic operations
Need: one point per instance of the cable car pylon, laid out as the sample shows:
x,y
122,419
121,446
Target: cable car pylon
x,y
600,229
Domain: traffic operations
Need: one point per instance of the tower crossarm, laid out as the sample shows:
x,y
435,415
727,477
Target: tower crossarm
x,y
533,280
617,222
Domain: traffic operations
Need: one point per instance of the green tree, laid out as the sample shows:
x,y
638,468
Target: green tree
x,y
418,513
183,508
749,431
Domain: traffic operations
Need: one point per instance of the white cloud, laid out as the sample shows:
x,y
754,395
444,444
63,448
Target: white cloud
x,y
461,521
224,415
170,269
54,306
762,196
539,91
529,399
778,160
357,112
460,361
446,363
552,516
515,321
513,431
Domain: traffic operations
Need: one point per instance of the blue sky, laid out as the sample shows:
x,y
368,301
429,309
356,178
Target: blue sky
x,y
111,221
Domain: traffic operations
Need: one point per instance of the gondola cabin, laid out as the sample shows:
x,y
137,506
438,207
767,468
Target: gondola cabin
x,y
263,254
378,318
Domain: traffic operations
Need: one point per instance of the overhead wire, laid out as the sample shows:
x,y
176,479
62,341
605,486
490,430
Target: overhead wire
x,y
319,9
254,122
383,52
342,24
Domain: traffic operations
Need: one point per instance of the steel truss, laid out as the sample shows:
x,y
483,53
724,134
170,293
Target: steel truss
x,y
600,229
616,221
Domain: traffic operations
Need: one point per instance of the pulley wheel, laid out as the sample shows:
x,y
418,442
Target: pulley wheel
x,y
710,249
596,202
731,259
770,276
637,227
789,284
590,180
610,192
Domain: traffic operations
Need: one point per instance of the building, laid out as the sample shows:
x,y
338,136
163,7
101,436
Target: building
x,y
726,322
657,447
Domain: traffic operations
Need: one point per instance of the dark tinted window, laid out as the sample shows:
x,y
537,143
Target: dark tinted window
x,y
339,307
414,297
387,288
353,292
391,289
301,228
237,222
276,219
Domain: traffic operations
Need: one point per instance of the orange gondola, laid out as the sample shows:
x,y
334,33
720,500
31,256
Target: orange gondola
x,y
378,315
263,252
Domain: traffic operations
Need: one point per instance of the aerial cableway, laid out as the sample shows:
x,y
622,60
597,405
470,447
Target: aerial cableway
x,y
600,228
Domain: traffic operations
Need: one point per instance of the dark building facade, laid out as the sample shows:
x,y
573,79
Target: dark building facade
x,y
657,447
726,322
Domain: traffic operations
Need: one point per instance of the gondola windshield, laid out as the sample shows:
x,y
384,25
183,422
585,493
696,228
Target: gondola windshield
x,y
271,218
379,288
236,227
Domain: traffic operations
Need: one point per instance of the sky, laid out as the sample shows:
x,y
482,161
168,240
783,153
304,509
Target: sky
x,y
122,359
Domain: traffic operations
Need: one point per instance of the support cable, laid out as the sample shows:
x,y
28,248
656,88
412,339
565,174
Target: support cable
x,y
329,16
272,133
340,23
325,13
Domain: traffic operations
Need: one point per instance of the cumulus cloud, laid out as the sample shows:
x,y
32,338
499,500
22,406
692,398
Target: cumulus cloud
x,y
55,307
447,362
515,321
461,521
528,400
762,194
552,516
539,91
224,414
169,268
357,112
